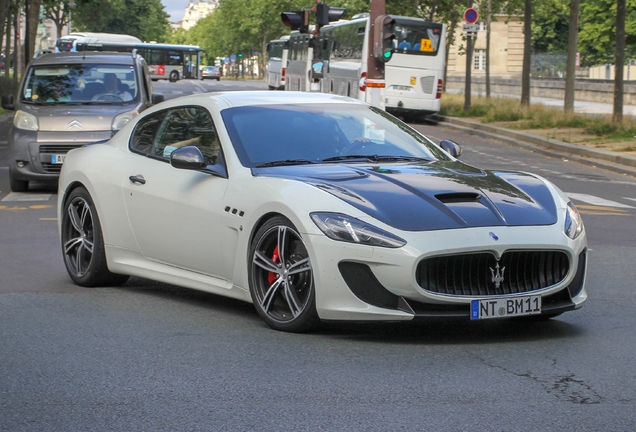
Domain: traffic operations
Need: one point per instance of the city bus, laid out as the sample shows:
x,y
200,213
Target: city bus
x,y
69,42
277,51
413,76
165,61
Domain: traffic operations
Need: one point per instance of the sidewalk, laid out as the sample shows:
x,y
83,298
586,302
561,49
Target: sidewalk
x,y
614,161
582,107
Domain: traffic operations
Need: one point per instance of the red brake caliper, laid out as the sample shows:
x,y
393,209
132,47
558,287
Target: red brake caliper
x,y
271,277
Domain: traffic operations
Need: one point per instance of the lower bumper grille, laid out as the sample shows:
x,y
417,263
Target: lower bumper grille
x,y
46,152
480,274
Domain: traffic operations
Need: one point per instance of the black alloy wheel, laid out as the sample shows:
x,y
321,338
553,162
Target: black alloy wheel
x,y
83,243
281,277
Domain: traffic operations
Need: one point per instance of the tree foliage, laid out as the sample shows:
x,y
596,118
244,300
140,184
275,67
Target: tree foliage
x,y
597,35
145,19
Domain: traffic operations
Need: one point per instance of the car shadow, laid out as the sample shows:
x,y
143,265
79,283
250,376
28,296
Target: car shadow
x,y
446,332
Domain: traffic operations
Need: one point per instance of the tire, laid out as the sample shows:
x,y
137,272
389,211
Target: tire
x,y
18,185
282,287
174,76
83,243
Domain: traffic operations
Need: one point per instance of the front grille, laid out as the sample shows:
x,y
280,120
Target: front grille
x,y
54,149
427,84
476,274
57,148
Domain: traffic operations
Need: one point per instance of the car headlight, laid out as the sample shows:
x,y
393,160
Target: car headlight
x,y
122,120
345,228
573,222
26,121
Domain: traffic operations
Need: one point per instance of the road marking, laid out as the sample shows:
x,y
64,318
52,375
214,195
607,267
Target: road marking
x,y
632,199
26,196
600,210
591,199
33,207
48,219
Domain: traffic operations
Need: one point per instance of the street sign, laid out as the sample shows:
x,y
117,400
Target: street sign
x,y
471,15
471,28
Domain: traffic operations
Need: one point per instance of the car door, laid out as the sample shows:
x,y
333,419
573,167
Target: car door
x,y
177,215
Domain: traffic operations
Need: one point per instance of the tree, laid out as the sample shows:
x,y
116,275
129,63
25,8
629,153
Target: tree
x,y
59,12
145,19
572,49
597,35
619,62
527,53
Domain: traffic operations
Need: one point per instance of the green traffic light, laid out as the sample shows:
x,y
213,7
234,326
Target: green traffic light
x,y
388,55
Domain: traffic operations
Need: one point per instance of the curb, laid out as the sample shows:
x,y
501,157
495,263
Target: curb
x,y
619,163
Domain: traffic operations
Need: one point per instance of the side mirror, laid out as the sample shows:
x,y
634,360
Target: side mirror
x,y
7,103
189,158
157,98
451,147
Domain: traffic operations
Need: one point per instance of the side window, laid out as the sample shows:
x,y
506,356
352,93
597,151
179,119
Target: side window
x,y
188,126
145,134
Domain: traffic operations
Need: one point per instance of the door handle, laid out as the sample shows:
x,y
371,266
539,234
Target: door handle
x,y
137,179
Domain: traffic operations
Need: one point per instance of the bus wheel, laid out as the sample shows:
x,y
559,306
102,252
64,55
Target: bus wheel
x,y
174,76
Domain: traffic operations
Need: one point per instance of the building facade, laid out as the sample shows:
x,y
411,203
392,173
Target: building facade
x,y
196,10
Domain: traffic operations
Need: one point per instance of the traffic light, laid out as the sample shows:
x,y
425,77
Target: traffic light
x,y
240,55
326,14
383,35
296,20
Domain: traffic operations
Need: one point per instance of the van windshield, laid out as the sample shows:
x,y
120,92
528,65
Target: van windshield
x,y
80,83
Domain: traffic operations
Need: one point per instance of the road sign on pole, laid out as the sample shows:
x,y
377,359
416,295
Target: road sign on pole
x,y
471,15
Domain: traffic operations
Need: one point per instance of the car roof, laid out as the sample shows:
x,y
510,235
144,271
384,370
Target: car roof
x,y
251,98
84,57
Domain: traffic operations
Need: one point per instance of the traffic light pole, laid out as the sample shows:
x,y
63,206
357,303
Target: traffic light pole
x,y
375,67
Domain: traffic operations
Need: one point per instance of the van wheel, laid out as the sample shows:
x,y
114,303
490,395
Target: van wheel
x,y
18,185
174,76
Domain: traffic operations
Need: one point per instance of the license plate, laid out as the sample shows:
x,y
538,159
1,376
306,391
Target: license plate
x,y
401,87
57,158
505,307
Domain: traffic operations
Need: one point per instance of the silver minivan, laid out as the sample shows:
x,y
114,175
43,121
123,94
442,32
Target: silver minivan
x,y
67,100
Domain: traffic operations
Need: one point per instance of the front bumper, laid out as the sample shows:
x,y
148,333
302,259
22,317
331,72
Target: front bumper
x,y
362,283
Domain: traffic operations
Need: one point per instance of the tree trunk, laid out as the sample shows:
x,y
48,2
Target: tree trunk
x,y
527,53
619,62
34,20
570,70
7,48
450,36
4,20
488,20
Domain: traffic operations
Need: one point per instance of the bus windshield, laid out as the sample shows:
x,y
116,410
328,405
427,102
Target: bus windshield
x,y
415,37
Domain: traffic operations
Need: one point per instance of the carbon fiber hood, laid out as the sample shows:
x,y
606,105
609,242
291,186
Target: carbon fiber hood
x,y
431,196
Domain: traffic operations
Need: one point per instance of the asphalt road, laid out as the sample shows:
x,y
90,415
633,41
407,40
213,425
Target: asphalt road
x,y
154,357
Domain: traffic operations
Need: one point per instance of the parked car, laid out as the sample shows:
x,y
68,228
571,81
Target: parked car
x,y
317,207
210,72
67,100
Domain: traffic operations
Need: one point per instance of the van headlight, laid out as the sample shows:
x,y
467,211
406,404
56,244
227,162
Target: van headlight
x,y
24,120
573,222
340,227
123,119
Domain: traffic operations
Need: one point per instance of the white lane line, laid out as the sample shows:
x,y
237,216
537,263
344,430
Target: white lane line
x,y
631,199
26,196
594,200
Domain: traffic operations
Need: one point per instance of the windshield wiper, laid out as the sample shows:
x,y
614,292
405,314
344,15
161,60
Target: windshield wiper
x,y
373,158
285,162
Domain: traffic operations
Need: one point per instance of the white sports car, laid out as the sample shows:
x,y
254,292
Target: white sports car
x,y
316,207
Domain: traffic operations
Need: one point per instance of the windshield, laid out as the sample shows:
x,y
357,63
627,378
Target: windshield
x,y
80,83
416,37
323,133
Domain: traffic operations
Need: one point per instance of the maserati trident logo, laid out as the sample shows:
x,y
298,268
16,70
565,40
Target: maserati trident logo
x,y
75,124
497,275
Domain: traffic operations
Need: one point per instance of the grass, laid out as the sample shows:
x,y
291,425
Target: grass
x,y
536,116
